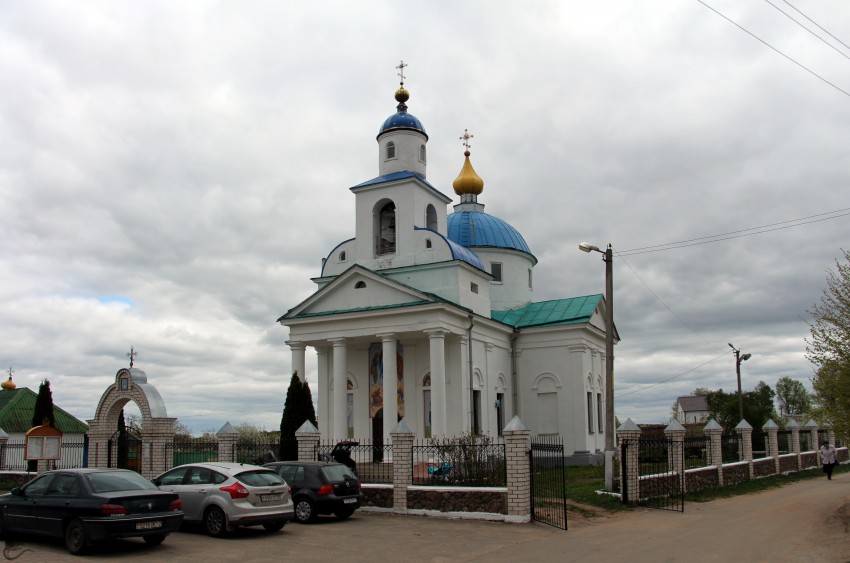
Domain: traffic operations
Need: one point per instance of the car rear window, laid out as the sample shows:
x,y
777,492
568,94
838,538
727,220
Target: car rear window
x,y
336,473
108,481
264,478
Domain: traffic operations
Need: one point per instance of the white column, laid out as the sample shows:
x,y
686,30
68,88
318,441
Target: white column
x,y
323,392
437,343
390,388
298,364
340,390
465,385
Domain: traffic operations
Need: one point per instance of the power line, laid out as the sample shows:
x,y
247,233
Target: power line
x,y
790,17
815,23
766,44
838,213
645,387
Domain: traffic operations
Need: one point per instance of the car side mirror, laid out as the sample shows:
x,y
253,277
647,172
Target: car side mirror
x,y
17,492
155,482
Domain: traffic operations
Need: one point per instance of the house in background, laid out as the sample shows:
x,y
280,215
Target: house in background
x,y
691,409
16,410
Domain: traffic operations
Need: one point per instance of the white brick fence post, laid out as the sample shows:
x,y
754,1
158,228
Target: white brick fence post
x,y
745,444
402,442
794,426
715,447
227,437
308,437
772,430
630,482
517,449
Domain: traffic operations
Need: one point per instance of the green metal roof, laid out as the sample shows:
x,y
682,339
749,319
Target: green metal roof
x,y
574,310
356,310
18,405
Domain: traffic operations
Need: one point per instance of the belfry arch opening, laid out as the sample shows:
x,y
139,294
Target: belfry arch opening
x,y
385,228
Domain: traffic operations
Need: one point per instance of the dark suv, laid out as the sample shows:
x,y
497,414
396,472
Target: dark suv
x,y
320,487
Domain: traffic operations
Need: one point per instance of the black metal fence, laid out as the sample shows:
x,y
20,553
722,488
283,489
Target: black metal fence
x,y
373,461
806,442
459,463
13,453
730,448
548,481
759,445
666,490
696,451
783,438
257,452
191,451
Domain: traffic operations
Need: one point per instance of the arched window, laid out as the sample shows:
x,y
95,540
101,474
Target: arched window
x,y
426,404
431,217
360,285
385,243
342,256
427,243
422,153
391,150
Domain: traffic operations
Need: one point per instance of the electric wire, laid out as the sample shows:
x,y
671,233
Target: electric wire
x,y
766,44
739,233
651,385
790,17
816,23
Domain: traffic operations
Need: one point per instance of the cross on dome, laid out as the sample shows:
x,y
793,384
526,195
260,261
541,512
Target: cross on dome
x,y
401,68
466,137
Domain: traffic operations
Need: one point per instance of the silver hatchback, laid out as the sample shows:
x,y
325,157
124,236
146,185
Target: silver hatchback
x,y
224,496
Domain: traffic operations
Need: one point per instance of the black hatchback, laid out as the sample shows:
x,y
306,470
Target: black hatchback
x,y
320,487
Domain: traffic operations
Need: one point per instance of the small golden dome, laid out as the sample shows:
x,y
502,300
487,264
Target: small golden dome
x,y
402,95
468,182
8,385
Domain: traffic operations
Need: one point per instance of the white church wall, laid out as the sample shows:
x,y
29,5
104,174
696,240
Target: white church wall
x,y
406,157
513,291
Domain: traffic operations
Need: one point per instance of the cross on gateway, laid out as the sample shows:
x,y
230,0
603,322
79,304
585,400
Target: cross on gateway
x,y
131,354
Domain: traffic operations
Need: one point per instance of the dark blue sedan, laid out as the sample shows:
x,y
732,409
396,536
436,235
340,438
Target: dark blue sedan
x,y
85,506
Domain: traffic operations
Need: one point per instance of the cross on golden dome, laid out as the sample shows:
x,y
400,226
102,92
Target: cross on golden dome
x,y
466,137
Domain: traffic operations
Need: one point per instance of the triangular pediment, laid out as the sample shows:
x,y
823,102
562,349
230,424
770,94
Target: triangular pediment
x,y
358,289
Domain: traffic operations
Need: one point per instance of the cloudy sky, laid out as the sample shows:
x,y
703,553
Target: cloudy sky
x,y
172,173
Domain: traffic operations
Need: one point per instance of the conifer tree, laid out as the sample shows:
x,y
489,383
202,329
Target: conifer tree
x,y
297,409
43,405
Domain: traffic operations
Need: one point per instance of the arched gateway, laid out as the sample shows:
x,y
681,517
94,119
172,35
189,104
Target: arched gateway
x,y
157,431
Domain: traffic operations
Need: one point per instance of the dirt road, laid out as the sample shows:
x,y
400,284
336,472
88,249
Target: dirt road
x,y
808,521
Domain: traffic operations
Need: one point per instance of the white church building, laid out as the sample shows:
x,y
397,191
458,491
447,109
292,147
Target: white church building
x,y
444,302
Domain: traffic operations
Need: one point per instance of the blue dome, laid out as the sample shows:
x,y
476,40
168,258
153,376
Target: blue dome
x,y
402,120
475,228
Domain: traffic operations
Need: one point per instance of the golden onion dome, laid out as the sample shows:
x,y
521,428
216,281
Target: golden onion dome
x,y
402,95
8,385
468,182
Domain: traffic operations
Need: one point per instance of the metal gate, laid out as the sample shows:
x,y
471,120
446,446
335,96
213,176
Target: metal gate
x,y
660,474
548,487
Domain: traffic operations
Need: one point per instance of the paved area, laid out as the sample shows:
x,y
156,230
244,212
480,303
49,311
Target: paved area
x,y
807,521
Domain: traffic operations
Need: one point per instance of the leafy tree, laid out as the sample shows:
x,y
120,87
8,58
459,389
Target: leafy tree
x,y
792,397
297,409
758,407
43,405
182,430
829,348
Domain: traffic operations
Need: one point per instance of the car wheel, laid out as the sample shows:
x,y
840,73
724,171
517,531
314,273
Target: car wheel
x,y
75,537
305,510
155,539
344,513
215,522
274,526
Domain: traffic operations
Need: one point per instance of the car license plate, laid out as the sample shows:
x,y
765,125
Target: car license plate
x,y
349,501
149,525
269,498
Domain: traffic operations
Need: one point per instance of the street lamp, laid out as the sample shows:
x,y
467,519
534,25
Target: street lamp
x,y
608,258
738,359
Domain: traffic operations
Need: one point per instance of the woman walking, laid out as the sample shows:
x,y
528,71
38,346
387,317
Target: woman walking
x,y
828,458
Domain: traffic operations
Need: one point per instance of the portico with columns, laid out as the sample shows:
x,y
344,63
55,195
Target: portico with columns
x,y
430,316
